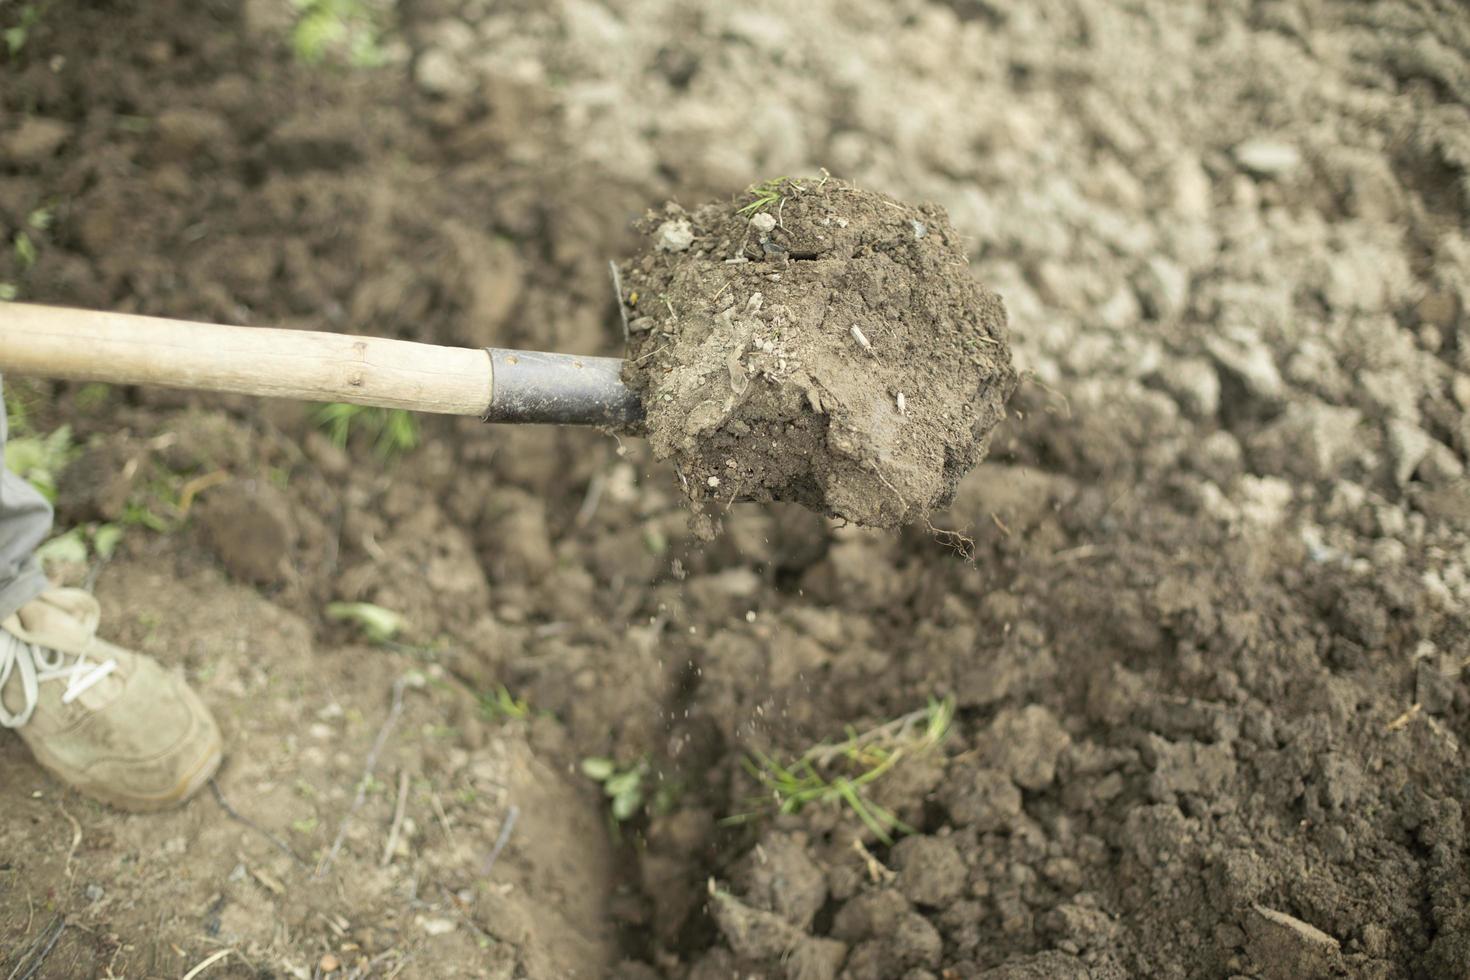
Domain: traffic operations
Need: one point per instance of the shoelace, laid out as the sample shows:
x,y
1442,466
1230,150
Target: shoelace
x,y
36,665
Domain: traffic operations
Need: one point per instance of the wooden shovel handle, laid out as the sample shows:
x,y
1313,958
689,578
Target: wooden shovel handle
x,y
119,348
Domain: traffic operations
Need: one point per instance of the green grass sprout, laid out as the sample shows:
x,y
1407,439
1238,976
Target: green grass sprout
x,y
379,625
394,431
841,774
765,195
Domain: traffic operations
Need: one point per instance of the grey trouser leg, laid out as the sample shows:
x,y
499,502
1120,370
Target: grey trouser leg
x,y
25,520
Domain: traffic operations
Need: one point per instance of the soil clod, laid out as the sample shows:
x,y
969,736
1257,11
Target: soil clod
x,y
831,348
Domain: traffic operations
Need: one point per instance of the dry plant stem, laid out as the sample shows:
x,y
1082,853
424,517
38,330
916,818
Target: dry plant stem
x,y
367,773
398,810
35,955
896,730
511,815
76,836
207,962
236,815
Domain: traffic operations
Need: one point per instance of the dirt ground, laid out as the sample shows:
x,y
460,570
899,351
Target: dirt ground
x,y
1195,708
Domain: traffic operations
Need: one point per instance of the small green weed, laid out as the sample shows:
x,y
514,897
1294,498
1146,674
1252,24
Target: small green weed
x,y
18,410
767,194
136,513
626,787
92,397
17,35
39,459
77,545
25,250
8,292
379,625
840,774
347,29
393,430
500,704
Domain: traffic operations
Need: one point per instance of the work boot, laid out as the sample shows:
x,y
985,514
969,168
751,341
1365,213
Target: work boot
x,y
108,721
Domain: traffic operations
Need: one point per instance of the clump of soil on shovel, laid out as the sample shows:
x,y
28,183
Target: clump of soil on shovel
x,y
815,342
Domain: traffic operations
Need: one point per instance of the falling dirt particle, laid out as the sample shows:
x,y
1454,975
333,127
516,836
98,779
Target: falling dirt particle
x,y
808,417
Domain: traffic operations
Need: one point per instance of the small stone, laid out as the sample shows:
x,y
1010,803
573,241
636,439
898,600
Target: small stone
x,y
1195,385
440,73
329,963
1264,157
1264,500
1408,445
1248,358
94,892
1284,947
437,927
452,34
765,222
1190,187
675,235
1438,309
36,140
1163,288
1311,441
1460,388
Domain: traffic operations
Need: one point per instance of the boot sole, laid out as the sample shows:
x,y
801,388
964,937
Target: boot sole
x,y
185,788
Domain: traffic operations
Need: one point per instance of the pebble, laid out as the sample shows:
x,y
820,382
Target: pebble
x,y
1311,440
1265,157
1194,384
1408,445
1284,946
1245,355
36,139
437,927
1163,288
675,235
764,222
440,73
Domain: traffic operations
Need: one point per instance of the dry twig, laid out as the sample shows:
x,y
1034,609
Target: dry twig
x,y
34,955
207,962
367,774
502,839
398,809
236,815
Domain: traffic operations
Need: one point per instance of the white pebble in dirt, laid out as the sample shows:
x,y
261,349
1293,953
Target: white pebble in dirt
x,y
1267,157
674,236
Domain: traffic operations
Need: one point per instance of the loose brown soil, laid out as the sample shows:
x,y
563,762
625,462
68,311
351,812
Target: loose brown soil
x,y
823,344
1208,665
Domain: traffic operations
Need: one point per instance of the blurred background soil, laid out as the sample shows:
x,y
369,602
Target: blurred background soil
x,y
1206,670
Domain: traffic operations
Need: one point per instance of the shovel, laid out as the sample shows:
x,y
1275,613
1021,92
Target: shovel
x,y
493,384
